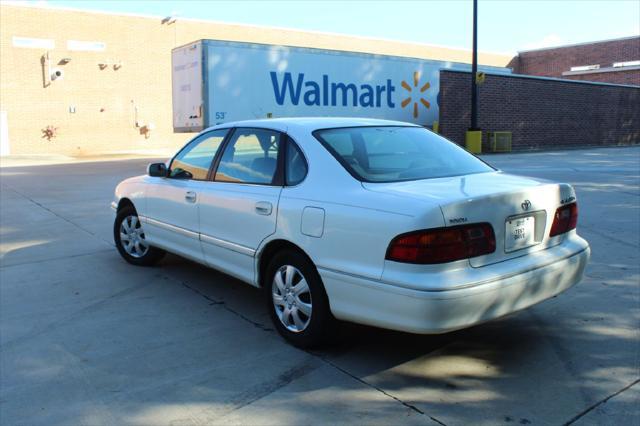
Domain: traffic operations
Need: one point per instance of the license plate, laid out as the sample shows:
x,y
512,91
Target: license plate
x,y
519,233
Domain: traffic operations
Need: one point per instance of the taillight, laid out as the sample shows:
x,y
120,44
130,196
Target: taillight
x,y
441,245
565,219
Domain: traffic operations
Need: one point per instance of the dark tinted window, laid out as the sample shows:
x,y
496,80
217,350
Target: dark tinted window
x,y
295,164
389,154
251,156
194,160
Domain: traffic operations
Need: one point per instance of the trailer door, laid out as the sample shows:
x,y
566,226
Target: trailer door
x,y
187,85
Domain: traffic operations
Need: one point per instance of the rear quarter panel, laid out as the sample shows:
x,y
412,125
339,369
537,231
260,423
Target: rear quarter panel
x,y
355,235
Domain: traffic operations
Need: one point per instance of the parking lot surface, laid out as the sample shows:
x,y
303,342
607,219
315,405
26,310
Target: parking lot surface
x,y
89,339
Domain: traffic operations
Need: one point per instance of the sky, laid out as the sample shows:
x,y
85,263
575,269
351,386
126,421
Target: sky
x,y
504,26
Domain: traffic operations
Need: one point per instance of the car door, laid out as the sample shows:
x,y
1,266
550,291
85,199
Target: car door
x,y
238,208
171,220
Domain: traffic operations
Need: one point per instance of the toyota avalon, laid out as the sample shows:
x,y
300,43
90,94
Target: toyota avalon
x,y
375,222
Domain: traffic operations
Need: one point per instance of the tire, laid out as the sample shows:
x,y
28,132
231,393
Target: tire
x,y
130,240
300,313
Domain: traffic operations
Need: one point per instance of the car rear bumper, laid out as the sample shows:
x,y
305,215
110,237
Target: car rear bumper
x,y
371,302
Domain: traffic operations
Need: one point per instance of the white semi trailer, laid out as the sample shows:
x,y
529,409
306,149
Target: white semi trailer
x,y
219,81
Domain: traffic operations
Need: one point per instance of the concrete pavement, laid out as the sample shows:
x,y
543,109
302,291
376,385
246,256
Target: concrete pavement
x,y
88,339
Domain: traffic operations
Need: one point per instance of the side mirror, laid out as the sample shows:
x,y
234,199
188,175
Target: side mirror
x,y
157,170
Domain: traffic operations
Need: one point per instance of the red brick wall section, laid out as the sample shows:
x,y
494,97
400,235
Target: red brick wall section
x,y
541,113
553,62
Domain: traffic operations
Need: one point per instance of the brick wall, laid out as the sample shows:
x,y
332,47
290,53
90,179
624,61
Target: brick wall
x,y
554,62
541,113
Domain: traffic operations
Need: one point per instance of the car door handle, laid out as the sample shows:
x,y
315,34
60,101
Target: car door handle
x,y
264,208
190,197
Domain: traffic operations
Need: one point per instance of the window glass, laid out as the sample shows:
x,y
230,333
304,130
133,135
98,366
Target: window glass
x,y
341,142
295,164
390,154
194,160
251,156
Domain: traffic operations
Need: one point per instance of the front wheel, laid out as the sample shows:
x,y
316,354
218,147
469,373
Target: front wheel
x,y
130,239
297,302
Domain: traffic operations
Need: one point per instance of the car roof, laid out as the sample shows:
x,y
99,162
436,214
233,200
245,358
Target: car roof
x,y
311,123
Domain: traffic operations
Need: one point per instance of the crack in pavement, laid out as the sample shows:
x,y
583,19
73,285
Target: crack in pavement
x,y
51,259
382,391
263,390
599,403
215,302
36,331
607,236
222,303
42,206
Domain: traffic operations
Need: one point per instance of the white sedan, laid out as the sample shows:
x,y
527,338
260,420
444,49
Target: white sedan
x,y
375,222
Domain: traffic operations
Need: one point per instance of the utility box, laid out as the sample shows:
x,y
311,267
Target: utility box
x,y
217,81
500,141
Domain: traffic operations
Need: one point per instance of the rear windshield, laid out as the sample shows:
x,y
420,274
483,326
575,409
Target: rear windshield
x,y
392,154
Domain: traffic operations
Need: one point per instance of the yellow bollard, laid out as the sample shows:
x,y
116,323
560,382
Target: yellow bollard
x,y
473,141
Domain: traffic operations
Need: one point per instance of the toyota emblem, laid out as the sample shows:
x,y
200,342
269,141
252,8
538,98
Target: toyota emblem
x,y
526,205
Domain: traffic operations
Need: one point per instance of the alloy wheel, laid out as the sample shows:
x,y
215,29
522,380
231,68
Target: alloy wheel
x,y
291,298
132,237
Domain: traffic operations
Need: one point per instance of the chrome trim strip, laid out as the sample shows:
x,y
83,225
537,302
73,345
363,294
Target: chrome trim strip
x,y
166,226
228,245
202,237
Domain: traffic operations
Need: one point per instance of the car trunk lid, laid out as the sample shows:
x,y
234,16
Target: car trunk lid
x,y
520,209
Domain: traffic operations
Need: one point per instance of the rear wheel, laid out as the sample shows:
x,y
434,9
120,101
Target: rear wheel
x,y
130,239
296,300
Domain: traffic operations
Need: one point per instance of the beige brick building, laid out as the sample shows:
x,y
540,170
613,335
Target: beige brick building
x,y
117,70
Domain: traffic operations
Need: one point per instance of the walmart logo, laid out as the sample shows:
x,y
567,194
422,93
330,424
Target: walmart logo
x,y
301,90
423,101
328,93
